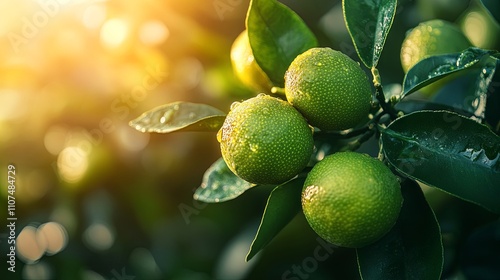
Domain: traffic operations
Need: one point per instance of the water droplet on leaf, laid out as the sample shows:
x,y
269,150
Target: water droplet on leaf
x,y
466,59
166,116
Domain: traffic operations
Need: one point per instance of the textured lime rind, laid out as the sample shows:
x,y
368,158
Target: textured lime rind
x,y
351,199
264,140
328,88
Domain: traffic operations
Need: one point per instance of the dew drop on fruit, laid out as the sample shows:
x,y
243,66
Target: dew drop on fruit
x,y
234,105
261,95
265,111
219,136
310,192
254,147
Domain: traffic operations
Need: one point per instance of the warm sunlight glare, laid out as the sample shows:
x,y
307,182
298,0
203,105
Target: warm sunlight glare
x,y
114,32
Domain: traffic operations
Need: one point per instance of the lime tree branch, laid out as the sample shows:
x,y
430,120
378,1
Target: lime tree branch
x,y
379,94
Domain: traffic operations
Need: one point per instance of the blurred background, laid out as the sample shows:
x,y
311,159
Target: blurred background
x,y
94,198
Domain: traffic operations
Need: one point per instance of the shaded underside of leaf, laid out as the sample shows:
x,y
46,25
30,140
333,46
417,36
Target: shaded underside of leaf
x,y
492,110
277,35
493,7
368,23
412,249
447,151
180,116
282,205
219,184
437,67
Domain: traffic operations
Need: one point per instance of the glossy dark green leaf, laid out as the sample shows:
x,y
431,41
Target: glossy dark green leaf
x,y
180,116
410,106
492,113
462,94
470,91
412,249
493,7
447,151
277,35
437,67
220,184
368,23
282,205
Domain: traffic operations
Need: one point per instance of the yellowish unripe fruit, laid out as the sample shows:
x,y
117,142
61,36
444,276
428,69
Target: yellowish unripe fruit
x,y
430,38
246,68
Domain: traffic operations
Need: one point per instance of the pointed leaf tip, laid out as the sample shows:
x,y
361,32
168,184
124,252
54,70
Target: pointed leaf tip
x,y
368,23
179,116
282,206
219,184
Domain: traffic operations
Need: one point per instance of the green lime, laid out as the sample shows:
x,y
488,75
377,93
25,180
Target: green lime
x,y
264,140
328,88
351,199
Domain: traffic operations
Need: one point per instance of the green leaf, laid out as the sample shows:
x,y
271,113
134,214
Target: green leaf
x,y
493,7
412,105
437,67
462,94
368,23
180,116
220,184
412,249
492,112
277,35
447,151
282,205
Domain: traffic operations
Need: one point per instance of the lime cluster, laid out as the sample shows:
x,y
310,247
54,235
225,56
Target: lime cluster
x,y
348,198
267,140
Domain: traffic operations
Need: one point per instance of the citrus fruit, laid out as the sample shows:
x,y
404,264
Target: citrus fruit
x,y
442,9
245,67
480,27
351,199
264,140
433,37
328,88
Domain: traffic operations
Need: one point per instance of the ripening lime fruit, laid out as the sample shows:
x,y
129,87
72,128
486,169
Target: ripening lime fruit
x,y
351,199
480,27
246,68
264,140
328,88
433,37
